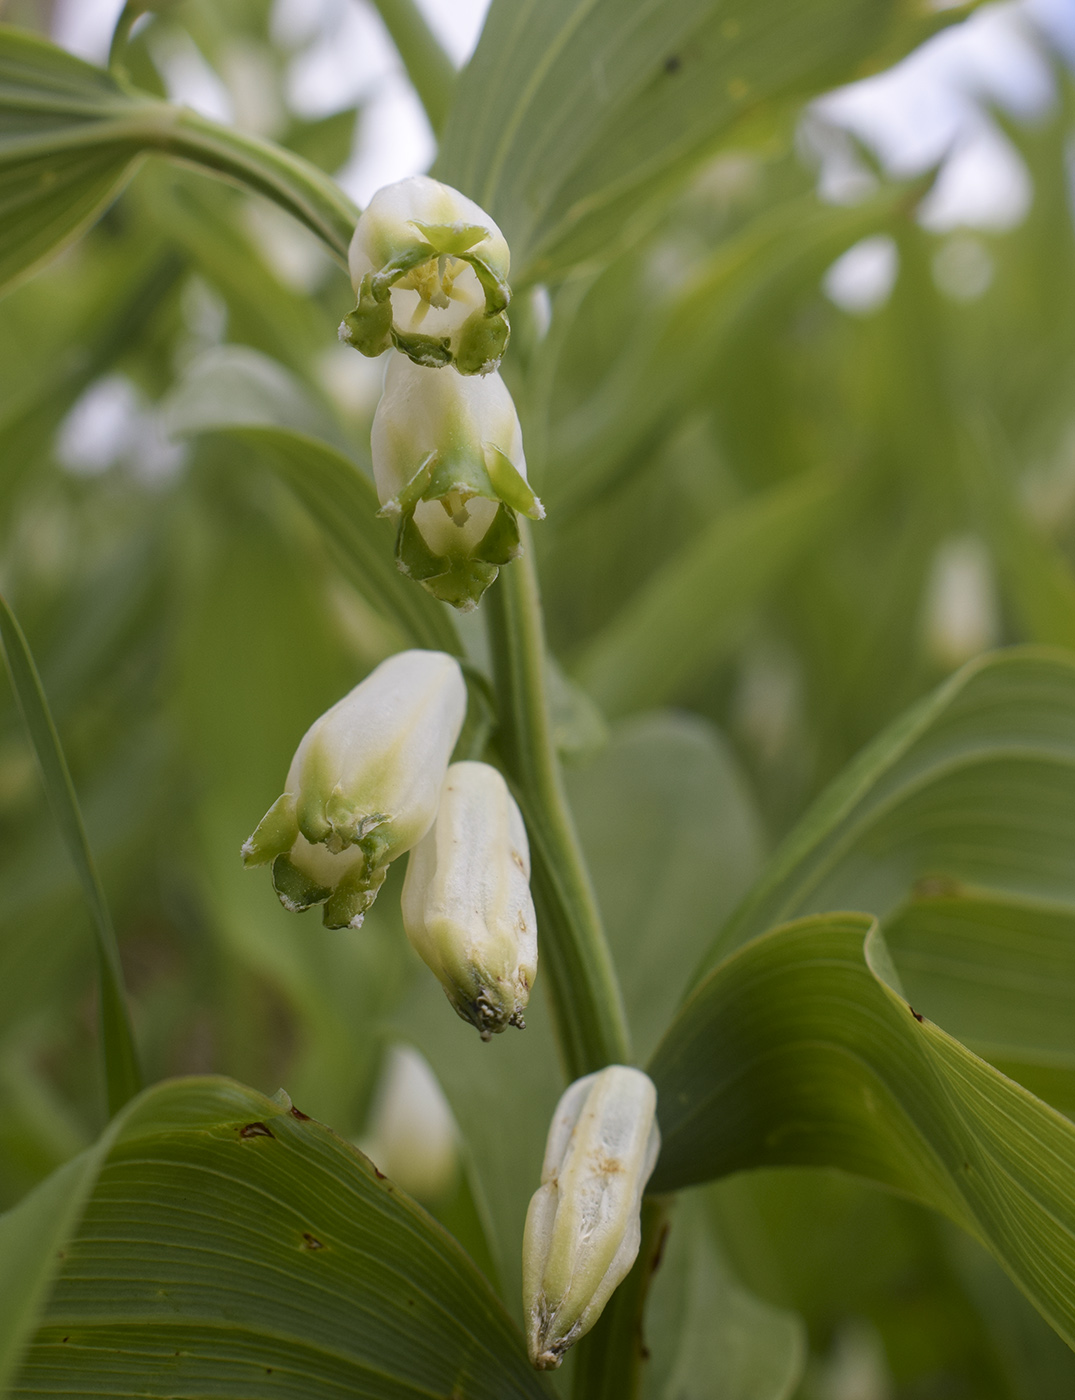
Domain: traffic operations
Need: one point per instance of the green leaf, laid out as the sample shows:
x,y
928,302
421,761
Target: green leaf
x,y
572,120
972,784
252,399
798,1050
693,609
232,1246
122,1075
58,166
70,134
672,840
999,974
708,1337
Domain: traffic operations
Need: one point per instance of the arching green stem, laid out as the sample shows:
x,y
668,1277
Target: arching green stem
x,y
575,959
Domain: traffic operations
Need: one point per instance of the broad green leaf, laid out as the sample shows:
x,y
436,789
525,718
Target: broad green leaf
x,y
32,1237
708,1337
122,1075
254,400
63,157
799,1050
666,786
572,119
70,134
688,614
973,784
231,1245
999,974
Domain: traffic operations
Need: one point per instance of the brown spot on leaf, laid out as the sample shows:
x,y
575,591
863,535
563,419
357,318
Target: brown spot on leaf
x,y
253,1130
937,887
378,1173
916,1014
298,1113
310,1242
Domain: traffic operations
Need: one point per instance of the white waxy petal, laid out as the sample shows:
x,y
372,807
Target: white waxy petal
x,y
429,269
424,411
389,225
448,462
583,1224
363,786
466,899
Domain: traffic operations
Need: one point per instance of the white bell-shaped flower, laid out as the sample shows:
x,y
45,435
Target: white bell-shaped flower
x,y
583,1226
363,786
429,269
448,461
466,899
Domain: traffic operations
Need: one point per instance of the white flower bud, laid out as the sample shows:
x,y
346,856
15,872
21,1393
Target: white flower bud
x,y
448,461
466,900
583,1227
429,269
363,786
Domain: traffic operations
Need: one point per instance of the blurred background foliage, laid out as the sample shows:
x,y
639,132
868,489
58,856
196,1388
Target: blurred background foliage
x,y
775,518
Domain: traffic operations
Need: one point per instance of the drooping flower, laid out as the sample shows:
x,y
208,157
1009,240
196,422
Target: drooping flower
x,y
448,461
363,786
429,269
583,1225
466,899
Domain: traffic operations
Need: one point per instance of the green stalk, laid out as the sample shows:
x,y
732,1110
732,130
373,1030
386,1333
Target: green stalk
x,y
611,1358
575,961
122,1075
122,33
294,184
428,66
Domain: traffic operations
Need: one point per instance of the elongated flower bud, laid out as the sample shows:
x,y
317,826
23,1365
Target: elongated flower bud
x,y
466,900
429,269
363,786
448,461
582,1227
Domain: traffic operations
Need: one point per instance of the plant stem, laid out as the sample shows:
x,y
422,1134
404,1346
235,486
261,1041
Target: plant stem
x,y
294,184
611,1358
575,960
428,66
122,32
123,1077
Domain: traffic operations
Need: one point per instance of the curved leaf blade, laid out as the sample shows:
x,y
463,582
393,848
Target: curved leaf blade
x,y
797,1050
122,1075
572,119
70,135
235,392
233,1246
999,974
973,784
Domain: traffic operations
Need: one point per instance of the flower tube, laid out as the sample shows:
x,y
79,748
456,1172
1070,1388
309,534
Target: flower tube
x,y
448,462
583,1226
466,900
363,786
429,269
